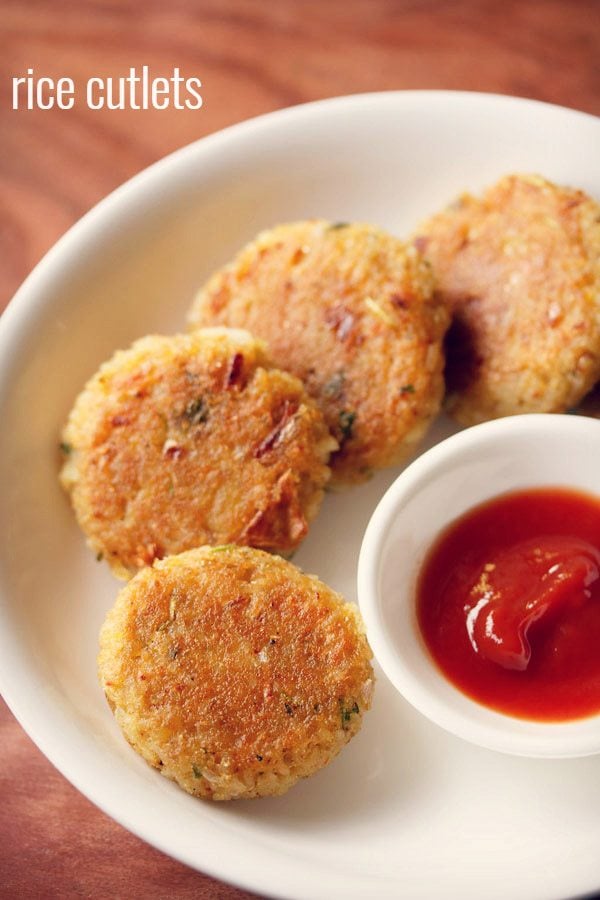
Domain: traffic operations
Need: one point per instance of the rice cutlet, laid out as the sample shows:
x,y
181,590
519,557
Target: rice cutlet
x,y
350,310
234,673
189,440
519,267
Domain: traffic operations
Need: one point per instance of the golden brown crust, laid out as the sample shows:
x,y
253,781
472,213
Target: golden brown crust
x,y
189,440
520,269
234,673
349,310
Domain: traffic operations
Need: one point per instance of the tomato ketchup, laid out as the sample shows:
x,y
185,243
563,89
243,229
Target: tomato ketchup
x,y
508,603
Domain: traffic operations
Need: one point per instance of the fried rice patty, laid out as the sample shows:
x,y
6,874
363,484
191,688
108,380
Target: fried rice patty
x,y
520,268
233,672
189,440
350,310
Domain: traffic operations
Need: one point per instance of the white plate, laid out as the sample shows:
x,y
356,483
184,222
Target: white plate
x,y
406,809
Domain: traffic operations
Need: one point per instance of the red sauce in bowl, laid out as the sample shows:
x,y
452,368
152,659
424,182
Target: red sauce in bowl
x,y
508,603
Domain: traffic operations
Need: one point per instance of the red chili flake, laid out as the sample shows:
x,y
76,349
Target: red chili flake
x,y
341,320
117,421
272,438
283,518
399,302
298,256
235,370
173,451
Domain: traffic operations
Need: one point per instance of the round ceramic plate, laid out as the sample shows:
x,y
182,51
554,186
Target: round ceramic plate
x,y
406,809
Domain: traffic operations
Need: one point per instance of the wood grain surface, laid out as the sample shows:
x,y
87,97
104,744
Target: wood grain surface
x,y
54,165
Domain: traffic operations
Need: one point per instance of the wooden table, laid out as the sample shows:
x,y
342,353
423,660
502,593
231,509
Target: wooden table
x,y
55,164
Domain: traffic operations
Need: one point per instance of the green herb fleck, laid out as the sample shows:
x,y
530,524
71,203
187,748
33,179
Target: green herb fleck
x,y
573,411
196,770
196,411
173,652
290,703
99,556
337,226
219,548
346,420
65,448
407,389
346,713
259,757
334,387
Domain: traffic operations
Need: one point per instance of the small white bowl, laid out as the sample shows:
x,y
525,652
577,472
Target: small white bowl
x,y
467,469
